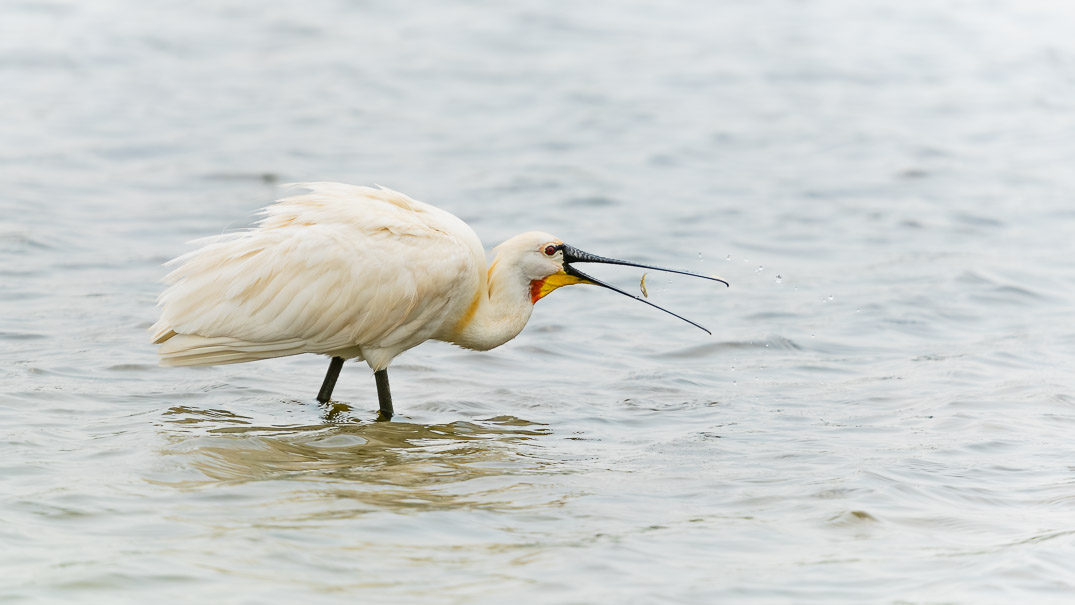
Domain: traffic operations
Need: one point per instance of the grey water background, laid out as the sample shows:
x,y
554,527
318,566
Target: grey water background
x,y
884,412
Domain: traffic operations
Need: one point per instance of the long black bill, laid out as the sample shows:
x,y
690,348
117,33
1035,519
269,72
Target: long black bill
x,y
574,255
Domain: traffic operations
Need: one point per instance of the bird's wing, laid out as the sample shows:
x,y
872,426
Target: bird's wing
x,y
334,268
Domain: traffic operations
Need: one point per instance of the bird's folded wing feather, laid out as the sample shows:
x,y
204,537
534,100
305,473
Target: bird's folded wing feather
x,y
337,267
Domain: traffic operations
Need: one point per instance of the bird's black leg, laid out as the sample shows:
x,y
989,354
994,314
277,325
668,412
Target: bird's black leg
x,y
384,395
334,368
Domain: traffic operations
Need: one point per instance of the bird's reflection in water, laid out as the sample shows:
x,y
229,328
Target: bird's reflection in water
x,y
376,465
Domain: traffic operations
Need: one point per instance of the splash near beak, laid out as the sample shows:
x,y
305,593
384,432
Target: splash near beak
x,y
574,255
540,288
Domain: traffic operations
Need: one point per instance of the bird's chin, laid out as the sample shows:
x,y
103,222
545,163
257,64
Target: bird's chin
x,y
540,288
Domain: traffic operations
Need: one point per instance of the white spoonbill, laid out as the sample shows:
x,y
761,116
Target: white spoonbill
x,y
358,273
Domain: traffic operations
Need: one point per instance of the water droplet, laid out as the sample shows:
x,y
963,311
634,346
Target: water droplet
x,y
759,269
831,297
729,257
779,279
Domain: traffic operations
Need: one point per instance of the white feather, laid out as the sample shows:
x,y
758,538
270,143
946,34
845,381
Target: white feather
x,y
370,271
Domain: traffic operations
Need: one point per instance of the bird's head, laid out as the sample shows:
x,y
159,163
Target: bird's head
x,y
547,263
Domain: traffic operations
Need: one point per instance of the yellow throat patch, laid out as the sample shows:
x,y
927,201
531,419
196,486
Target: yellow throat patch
x,y
540,288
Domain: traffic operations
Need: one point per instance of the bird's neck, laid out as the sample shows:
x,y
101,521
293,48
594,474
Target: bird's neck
x,y
498,313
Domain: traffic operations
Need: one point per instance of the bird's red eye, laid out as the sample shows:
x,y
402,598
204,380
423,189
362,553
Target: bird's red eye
x,y
550,250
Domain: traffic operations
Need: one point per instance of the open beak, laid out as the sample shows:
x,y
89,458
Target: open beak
x,y
574,255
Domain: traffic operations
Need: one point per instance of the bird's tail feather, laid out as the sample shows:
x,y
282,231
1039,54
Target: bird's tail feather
x,y
191,350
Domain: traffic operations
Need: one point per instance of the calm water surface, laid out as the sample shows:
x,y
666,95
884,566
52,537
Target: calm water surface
x,y
884,412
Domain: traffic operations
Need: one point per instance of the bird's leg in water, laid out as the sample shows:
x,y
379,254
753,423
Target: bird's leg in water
x,y
334,367
384,395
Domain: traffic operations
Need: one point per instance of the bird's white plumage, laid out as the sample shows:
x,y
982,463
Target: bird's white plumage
x,y
339,270
354,272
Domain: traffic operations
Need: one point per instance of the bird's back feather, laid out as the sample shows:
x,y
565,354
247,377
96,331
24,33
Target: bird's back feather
x,y
369,271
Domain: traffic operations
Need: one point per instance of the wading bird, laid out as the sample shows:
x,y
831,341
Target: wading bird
x,y
358,273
